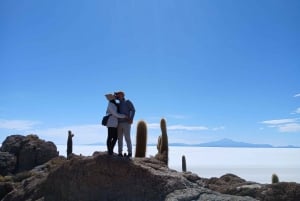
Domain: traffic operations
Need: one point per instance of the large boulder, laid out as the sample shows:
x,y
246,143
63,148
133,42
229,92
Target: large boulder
x,y
29,150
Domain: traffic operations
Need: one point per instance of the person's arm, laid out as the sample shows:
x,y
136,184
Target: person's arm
x,y
131,111
111,109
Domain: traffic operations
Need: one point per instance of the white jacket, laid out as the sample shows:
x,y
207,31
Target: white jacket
x,y
114,115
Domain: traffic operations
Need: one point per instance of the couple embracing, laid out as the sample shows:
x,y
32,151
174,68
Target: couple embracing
x,y
121,113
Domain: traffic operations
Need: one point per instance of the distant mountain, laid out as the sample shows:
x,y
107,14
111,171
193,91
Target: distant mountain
x,y
219,143
230,143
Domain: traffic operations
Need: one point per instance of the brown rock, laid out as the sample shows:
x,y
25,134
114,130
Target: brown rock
x,y
30,151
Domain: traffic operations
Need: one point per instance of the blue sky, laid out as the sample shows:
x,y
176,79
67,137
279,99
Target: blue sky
x,y
213,69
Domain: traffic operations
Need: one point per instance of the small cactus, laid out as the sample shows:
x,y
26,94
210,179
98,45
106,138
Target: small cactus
x,y
183,164
141,139
158,143
163,146
275,179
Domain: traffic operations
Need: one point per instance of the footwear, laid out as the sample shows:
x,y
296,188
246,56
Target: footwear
x,y
120,155
129,155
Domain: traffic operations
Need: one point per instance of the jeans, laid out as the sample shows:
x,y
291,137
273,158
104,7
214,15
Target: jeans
x,y
124,130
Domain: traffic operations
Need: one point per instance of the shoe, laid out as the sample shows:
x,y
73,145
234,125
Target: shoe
x,y
129,155
120,155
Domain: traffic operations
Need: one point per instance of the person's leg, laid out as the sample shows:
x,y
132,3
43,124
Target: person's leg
x,y
114,138
127,127
109,138
120,139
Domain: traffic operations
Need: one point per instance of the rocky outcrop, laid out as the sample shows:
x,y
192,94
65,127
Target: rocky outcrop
x,y
234,185
104,177
29,151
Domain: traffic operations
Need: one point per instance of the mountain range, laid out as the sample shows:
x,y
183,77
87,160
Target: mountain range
x,y
221,143
230,143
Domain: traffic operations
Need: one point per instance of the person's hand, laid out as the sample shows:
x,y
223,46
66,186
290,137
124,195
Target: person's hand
x,y
130,121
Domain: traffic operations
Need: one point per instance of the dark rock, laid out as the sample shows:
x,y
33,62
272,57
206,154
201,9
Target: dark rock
x,y
30,151
282,191
7,163
5,188
104,177
234,185
12,144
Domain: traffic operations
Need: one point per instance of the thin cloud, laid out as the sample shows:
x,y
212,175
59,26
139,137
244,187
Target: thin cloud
x,y
279,121
293,127
188,128
284,125
297,110
219,128
297,95
19,125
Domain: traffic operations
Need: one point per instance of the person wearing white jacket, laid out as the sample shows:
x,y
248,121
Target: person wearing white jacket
x,y
112,123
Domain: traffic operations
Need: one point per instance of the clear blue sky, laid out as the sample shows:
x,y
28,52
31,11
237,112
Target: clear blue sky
x,y
214,69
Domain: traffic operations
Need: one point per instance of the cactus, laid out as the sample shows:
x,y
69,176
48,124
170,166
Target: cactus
x,y
275,179
158,143
70,144
141,139
163,146
183,164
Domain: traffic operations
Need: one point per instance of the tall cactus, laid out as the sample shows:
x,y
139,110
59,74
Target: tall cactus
x,y
141,139
183,164
163,146
70,144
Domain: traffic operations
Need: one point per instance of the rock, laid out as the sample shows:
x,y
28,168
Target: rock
x,y
7,163
29,151
5,188
234,185
12,144
104,177
282,191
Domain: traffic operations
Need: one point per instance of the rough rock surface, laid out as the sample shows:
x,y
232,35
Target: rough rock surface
x,y
234,185
29,151
7,163
103,177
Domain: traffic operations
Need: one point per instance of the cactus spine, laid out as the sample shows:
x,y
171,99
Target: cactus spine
x,y
141,139
275,179
183,164
163,146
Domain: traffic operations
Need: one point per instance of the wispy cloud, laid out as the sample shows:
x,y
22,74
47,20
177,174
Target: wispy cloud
x,y
279,121
294,127
18,125
219,128
284,125
297,111
297,95
188,128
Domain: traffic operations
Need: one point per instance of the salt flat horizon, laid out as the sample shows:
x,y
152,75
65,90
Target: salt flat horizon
x,y
251,164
